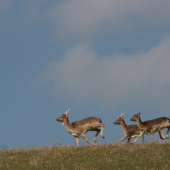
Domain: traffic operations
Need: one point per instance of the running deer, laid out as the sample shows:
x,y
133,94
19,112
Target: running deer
x,y
152,126
79,128
131,131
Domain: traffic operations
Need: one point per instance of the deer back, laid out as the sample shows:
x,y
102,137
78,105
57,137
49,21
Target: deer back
x,y
87,123
159,121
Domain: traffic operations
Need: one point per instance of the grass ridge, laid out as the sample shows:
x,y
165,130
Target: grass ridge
x,y
105,156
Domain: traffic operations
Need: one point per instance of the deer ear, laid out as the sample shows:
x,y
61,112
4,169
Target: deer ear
x,y
138,114
122,114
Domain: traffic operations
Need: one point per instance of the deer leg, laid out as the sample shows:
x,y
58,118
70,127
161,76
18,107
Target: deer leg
x,y
77,140
161,135
84,137
128,140
167,133
152,135
143,138
98,131
125,137
102,128
141,133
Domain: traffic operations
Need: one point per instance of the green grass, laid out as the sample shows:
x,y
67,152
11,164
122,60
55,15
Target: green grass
x,y
155,156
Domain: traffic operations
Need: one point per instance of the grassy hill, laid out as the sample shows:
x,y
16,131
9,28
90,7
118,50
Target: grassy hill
x,y
121,156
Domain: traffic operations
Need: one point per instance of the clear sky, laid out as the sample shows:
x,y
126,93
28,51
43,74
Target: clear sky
x,y
97,58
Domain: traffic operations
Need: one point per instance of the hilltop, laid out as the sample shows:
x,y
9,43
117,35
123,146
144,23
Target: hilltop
x,y
105,156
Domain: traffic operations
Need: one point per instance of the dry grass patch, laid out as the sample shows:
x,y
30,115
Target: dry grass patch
x,y
121,156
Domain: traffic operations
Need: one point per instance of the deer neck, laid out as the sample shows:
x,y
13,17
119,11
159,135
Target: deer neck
x,y
139,123
66,123
123,126
69,127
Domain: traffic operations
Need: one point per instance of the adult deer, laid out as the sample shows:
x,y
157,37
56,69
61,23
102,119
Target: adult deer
x,y
152,126
79,128
130,131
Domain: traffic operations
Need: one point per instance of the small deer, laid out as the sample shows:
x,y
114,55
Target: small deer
x,y
130,131
79,128
152,126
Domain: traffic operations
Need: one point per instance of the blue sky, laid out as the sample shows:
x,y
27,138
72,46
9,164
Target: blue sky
x,y
97,58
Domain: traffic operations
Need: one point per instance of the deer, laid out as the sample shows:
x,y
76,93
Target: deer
x,y
152,126
130,131
79,128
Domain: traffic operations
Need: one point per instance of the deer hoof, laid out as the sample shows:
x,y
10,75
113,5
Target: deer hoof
x,y
94,139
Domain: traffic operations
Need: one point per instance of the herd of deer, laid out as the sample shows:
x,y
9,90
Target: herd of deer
x,y
79,128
